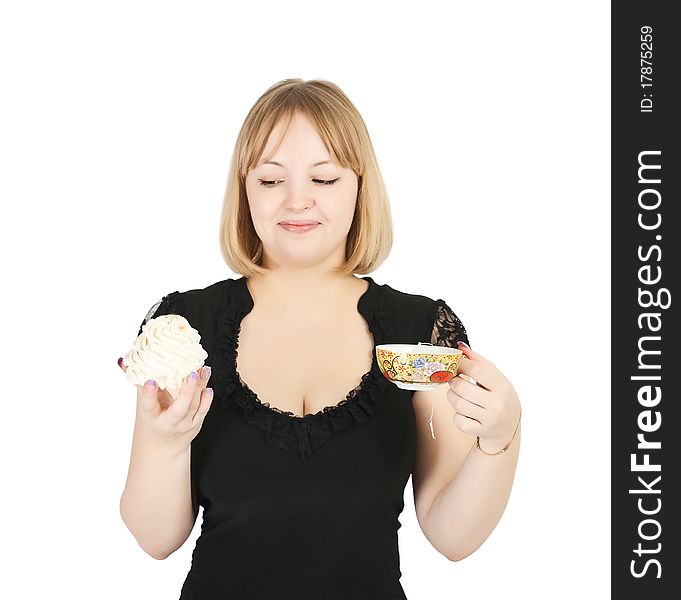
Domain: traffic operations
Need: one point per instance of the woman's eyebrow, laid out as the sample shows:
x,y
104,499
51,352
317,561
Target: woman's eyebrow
x,y
274,162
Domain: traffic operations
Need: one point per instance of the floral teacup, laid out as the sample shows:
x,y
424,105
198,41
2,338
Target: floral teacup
x,y
419,366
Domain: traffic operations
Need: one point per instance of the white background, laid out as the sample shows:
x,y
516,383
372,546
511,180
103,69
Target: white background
x,y
491,123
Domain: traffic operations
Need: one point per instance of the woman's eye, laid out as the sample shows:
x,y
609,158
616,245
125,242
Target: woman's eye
x,y
272,182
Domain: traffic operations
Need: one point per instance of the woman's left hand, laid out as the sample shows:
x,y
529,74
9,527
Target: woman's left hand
x,y
489,408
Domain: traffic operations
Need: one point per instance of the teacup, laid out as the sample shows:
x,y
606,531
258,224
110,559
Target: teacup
x,y
421,366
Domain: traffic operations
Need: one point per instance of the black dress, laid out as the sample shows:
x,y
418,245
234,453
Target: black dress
x,y
302,507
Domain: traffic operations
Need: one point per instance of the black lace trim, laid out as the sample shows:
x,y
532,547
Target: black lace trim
x,y
167,305
447,328
285,429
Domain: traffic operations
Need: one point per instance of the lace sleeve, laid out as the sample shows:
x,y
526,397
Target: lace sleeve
x,y
447,328
166,305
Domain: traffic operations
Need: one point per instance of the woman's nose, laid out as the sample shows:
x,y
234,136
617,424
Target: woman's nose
x,y
297,200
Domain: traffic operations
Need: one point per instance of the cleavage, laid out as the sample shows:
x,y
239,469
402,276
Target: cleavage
x,y
303,364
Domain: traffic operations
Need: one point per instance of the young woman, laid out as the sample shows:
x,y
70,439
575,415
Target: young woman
x,y
301,463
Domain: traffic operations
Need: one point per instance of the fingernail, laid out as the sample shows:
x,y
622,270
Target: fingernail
x,y
205,372
150,383
194,376
460,343
120,361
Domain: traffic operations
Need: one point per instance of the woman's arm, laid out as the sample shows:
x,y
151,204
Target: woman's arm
x,y
158,504
467,509
460,492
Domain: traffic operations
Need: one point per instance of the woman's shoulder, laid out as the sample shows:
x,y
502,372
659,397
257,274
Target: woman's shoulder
x,y
432,318
405,299
404,302
202,296
195,304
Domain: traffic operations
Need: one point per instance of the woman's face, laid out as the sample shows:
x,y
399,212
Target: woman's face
x,y
299,188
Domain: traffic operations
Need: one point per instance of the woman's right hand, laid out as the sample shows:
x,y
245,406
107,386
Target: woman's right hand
x,y
175,422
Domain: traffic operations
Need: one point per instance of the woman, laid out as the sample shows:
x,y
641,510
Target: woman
x,y
301,480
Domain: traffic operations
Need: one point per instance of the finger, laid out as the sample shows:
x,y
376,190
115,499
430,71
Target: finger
x,y
121,364
470,379
479,368
467,425
204,375
149,398
466,408
470,391
178,410
204,406
467,352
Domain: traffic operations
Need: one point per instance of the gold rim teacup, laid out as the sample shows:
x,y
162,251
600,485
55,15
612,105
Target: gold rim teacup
x,y
411,368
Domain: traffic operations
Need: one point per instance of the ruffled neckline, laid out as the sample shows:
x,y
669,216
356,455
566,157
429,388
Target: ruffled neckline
x,y
286,430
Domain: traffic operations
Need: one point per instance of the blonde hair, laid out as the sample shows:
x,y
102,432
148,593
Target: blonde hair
x,y
345,135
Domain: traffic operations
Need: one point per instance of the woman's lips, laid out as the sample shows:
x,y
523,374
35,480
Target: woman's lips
x,y
299,228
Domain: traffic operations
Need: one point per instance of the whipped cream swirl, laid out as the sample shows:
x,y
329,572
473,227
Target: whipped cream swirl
x,y
167,350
